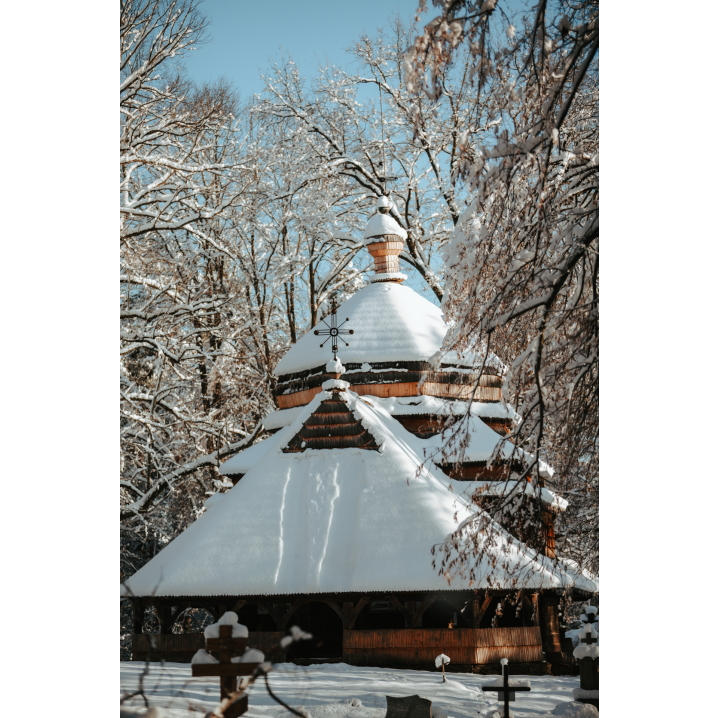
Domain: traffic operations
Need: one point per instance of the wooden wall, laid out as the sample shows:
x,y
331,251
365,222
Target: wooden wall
x,y
180,647
414,647
407,388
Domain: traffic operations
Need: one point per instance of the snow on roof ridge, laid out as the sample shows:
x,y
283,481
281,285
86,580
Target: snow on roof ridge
x,y
505,488
388,277
422,404
382,224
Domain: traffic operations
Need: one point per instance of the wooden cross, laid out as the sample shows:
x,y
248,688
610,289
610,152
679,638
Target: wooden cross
x,y
333,331
224,649
506,693
588,638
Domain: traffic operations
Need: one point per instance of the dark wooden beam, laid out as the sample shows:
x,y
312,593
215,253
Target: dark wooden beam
x,y
357,610
479,609
138,615
282,625
343,616
416,617
459,603
270,610
401,608
535,604
527,608
164,613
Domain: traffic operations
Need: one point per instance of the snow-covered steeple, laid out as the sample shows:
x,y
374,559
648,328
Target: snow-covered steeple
x,y
384,238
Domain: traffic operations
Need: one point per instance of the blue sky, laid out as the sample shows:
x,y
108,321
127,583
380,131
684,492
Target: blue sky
x,y
245,35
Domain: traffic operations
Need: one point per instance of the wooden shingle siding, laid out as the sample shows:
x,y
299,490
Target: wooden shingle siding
x,y
392,377
331,426
396,372
421,646
404,388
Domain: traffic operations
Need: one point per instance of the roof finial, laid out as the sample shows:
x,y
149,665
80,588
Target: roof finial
x,y
383,204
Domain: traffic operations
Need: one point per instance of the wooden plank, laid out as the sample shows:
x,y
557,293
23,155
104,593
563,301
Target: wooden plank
x,y
180,647
424,656
239,706
202,670
299,398
413,638
429,388
234,645
264,640
169,642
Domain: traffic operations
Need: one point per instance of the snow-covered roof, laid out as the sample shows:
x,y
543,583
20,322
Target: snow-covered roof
x,y
388,277
381,224
407,406
483,439
333,520
242,462
505,488
391,322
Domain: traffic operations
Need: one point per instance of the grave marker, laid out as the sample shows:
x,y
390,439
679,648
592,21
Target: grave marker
x,y
587,655
408,707
224,649
505,690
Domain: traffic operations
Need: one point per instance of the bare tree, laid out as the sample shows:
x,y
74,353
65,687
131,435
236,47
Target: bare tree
x,y
522,266
368,135
190,393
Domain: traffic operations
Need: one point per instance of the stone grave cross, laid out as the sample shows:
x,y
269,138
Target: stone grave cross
x,y
506,691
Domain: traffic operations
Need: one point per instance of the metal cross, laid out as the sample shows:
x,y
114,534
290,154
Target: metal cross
x,y
333,330
506,693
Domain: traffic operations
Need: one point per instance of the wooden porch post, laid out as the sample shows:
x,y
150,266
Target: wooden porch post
x,y
165,615
479,608
550,633
138,615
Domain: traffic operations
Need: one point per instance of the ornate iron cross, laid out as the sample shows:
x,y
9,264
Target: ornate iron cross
x,y
333,331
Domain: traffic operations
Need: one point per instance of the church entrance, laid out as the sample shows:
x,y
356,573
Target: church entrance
x,y
327,630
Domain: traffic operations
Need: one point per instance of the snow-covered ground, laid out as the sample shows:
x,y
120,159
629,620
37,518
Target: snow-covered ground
x,y
328,690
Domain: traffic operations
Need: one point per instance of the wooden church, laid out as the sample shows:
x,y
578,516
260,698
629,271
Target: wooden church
x,y
332,519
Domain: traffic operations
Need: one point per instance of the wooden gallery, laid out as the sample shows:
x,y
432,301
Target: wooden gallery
x,y
332,518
